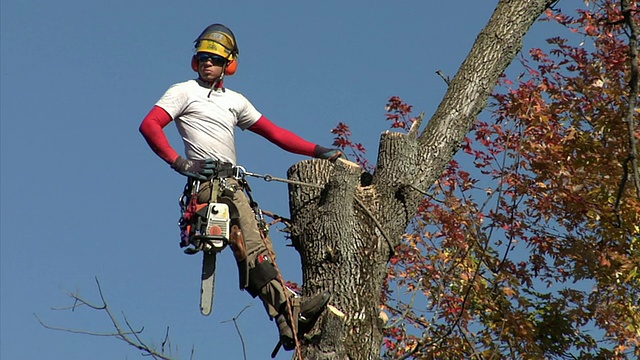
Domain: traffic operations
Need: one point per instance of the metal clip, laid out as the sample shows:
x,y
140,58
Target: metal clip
x,y
239,172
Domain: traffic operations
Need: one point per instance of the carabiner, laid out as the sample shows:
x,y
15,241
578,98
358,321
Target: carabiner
x,y
240,172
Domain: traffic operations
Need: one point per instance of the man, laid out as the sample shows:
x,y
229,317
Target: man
x,y
206,114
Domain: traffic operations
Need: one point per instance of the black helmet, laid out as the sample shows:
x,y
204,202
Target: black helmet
x,y
218,39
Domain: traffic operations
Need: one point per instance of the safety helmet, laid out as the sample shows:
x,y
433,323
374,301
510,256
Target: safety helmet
x,y
218,39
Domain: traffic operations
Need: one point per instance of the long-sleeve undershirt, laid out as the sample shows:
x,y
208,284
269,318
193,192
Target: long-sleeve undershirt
x,y
153,124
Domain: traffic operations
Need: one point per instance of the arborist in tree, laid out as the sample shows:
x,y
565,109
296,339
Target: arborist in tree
x,y
206,114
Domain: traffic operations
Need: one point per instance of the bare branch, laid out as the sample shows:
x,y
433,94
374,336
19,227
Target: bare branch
x,y
415,127
405,314
235,323
74,331
444,77
165,340
131,337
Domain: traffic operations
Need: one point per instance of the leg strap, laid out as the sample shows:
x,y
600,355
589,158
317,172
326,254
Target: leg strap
x,y
240,253
261,274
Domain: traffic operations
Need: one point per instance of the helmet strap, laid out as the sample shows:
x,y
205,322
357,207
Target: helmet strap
x,y
218,82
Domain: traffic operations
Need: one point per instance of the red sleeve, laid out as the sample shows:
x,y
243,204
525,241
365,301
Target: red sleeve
x,y
151,128
284,138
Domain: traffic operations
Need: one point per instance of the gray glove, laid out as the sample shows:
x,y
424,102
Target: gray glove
x,y
322,152
197,169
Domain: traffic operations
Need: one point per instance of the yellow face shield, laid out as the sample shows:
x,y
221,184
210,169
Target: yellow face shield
x,y
217,43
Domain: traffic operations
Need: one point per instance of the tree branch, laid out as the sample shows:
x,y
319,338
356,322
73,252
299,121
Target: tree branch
x,y
415,127
235,323
633,89
131,337
632,158
468,91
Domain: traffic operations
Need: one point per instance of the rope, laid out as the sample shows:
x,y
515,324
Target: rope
x,y
293,322
378,225
269,178
263,234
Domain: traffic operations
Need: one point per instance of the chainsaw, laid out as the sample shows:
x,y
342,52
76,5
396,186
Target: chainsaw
x,y
204,228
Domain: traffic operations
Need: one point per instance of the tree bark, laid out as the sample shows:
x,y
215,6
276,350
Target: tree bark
x,y
345,233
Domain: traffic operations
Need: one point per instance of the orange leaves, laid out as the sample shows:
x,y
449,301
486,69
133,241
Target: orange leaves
x,y
509,291
519,252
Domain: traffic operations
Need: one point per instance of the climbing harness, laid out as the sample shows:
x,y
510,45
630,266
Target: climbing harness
x,y
206,225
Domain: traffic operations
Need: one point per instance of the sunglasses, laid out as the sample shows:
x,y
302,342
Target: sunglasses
x,y
216,60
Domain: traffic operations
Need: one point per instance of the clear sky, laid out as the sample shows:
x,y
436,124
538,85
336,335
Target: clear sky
x,y
82,195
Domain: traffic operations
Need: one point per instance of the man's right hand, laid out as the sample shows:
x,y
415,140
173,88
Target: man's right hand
x,y
197,169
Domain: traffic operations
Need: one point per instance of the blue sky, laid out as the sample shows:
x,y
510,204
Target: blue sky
x,y
82,196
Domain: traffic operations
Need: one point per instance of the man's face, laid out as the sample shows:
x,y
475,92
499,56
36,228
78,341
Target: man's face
x,y
210,66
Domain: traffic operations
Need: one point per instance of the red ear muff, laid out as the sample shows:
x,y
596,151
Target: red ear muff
x,y
231,68
194,63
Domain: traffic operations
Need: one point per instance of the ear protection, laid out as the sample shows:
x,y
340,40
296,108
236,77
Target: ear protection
x,y
229,69
194,63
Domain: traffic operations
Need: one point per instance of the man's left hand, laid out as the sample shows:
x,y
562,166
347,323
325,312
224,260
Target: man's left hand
x,y
332,155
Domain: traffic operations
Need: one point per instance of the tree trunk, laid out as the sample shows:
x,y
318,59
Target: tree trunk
x,y
345,233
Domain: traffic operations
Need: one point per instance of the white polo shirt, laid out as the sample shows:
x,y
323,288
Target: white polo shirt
x,y
207,123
